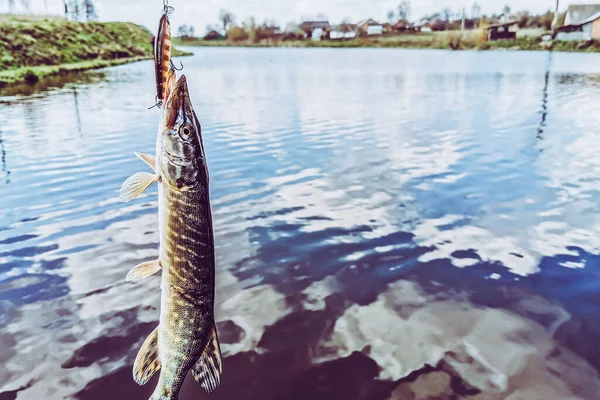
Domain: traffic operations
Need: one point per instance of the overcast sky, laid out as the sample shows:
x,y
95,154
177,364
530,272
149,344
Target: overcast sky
x,y
200,13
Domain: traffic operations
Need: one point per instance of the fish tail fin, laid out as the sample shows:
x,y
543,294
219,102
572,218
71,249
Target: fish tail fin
x,y
147,361
207,371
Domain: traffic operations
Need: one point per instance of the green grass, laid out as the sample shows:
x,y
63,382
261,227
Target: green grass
x,y
527,39
34,47
34,74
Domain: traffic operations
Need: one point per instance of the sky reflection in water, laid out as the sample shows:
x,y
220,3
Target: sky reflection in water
x,y
408,205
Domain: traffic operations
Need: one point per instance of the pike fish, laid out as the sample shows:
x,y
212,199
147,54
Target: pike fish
x,y
186,337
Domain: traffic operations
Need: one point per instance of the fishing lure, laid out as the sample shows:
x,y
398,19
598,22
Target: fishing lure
x,y
162,55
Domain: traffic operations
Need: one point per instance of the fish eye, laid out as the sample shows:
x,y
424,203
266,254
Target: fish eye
x,y
185,131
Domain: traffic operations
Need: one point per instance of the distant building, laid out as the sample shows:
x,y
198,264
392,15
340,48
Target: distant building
x,y
424,25
315,29
586,29
370,27
505,31
291,28
213,35
343,31
387,28
577,13
404,26
271,31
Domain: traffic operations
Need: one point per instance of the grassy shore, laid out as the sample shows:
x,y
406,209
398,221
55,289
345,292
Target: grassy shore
x,y
527,39
32,48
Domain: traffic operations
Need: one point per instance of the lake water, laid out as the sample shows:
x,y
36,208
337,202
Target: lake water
x,y
389,224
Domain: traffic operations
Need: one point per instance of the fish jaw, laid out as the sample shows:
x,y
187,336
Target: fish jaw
x,y
179,105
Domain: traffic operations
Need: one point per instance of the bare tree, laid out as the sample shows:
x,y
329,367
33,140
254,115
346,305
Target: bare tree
x,y
506,10
475,11
75,10
11,6
226,19
446,14
404,10
89,9
391,15
27,5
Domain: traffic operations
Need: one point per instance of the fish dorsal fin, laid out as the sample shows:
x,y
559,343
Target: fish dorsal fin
x,y
147,361
143,271
135,185
209,367
148,159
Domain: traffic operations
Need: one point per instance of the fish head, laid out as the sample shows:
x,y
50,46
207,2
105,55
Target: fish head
x,y
181,162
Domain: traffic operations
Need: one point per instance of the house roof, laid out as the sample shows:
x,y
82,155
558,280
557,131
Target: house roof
x,y
590,19
213,35
369,22
581,12
402,24
571,27
504,24
345,28
310,25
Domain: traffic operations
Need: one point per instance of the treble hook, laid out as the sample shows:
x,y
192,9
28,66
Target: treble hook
x,y
158,104
167,8
173,65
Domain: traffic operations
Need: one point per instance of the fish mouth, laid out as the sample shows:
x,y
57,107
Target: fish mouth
x,y
179,103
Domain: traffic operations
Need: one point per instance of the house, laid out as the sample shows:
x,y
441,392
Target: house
x,y
424,25
213,35
503,31
291,28
292,31
404,26
343,32
388,28
315,29
271,32
576,13
586,29
370,27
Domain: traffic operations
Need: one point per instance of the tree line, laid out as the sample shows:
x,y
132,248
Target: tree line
x,y
75,10
444,19
447,19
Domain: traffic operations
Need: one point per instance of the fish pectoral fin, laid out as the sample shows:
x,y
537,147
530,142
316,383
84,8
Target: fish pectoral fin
x,y
147,361
207,371
135,185
148,159
143,271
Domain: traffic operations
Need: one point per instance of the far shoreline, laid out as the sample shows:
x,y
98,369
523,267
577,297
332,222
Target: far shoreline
x,y
453,40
